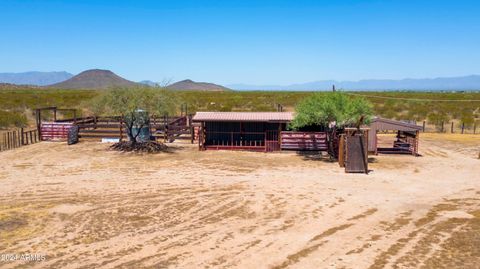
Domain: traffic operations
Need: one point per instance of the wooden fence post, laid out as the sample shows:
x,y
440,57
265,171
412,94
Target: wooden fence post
x,y
165,128
121,129
451,130
341,151
463,127
23,141
424,126
20,138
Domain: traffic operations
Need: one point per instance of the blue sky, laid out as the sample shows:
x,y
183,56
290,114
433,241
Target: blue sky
x,y
255,42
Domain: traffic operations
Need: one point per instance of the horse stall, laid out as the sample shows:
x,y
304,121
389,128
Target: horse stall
x,y
405,141
255,131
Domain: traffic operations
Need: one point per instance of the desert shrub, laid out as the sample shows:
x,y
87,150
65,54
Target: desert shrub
x,y
467,119
437,119
12,119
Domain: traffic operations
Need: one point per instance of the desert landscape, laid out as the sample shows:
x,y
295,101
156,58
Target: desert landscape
x,y
240,134
85,206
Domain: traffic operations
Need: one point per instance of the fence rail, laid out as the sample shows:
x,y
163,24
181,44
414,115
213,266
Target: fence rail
x,y
18,138
304,140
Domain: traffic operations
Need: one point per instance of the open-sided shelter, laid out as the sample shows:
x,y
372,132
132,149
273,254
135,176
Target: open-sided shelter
x,y
241,130
406,141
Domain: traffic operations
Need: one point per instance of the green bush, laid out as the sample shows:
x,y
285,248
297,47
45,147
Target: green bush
x,y
12,119
335,107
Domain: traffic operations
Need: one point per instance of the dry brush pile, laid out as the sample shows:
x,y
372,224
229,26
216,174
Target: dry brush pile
x,y
141,147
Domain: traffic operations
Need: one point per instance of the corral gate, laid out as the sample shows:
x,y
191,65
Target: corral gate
x,y
356,157
303,141
271,141
51,131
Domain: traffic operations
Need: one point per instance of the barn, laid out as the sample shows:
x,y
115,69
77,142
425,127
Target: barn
x,y
256,131
406,140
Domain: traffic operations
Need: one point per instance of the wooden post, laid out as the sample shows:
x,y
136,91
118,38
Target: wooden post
x,y
463,127
121,129
31,138
14,142
54,114
341,151
165,127
442,125
424,126
22,135
451,130
417,139
38,120
192,134
265,139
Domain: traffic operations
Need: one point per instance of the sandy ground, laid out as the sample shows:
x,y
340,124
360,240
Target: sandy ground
x,y
84,206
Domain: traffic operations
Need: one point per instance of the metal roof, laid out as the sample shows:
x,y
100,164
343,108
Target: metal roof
x,y
380,124
244,116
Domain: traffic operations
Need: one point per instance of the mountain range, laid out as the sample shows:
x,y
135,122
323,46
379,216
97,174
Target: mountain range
x,y
448,83
34,78
93,79
98,79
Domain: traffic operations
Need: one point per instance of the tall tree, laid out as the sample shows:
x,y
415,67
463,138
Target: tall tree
x,y
331,109
126,102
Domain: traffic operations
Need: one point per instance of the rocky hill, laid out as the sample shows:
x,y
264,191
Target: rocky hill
x,y
190,85
94,79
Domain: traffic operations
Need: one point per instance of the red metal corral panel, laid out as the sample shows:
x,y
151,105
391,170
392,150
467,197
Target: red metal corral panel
x,y
54,131
304,141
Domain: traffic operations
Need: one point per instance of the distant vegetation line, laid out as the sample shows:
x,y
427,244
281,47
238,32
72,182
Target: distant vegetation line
x,y
16,105
413,99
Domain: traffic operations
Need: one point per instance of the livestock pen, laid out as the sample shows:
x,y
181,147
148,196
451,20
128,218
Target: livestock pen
x,y
255,131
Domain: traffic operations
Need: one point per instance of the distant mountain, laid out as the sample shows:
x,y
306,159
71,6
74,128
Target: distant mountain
x,y
452,83
94,79
149,83
34,78
190,85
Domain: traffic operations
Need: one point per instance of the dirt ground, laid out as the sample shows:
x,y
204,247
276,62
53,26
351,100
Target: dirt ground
x,y
84,206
